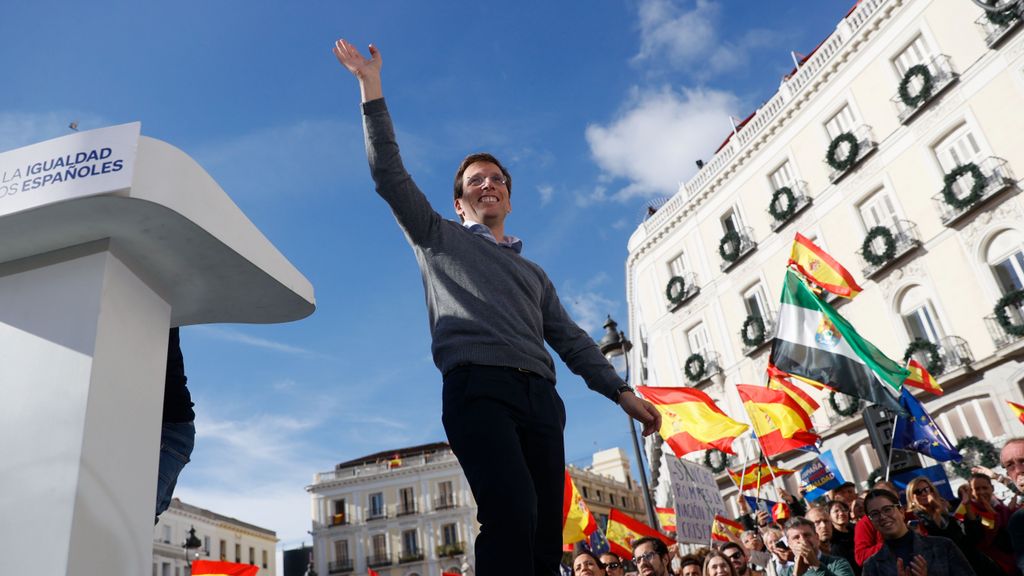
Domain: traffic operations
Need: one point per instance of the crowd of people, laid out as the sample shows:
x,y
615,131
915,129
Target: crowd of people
x,y
881,532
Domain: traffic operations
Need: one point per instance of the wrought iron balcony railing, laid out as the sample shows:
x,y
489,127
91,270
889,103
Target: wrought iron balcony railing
x,y
406,509
379,560
996,28
445,502
689,290
758,331
1000,337
801,200
953,353
996,177
377,514
410,556
451,549
703,370
865,146
901,240
743,245
340,566
941,76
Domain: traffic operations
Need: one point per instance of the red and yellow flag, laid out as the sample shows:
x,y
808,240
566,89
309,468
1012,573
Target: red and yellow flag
x,y
751,476
622,531
666,519
780,512
691,421
779,380
216,568
723,527
779,423
1018,410
988,519
371,572
920,378
577,521
822,269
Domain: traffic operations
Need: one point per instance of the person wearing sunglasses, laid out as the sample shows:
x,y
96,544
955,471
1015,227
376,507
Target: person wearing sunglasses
x,y
613,565
904,552
491,314
651,557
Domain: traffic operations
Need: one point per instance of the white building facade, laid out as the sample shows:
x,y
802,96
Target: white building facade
x,y
713,257
406,512
221,538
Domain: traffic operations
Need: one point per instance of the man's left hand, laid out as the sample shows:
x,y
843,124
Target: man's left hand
x,y
642,411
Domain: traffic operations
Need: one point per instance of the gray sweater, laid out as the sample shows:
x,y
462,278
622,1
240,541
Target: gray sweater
x,y
487,305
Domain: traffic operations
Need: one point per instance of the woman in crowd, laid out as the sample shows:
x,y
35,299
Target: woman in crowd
x,y
716,564
993,516
690,566
586,564
842,533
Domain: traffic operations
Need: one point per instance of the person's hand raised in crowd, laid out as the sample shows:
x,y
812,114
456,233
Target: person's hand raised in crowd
x,y
918,567
804,558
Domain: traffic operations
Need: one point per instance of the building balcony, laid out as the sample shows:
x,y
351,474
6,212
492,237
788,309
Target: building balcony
x,y
953,353
996,28
902,239
445,502
377,514
406,509
340,566
1000,337
996,177
451,549
379,560
865,146
801,200
697,371
942,77
677,298
741,247
411,556
758,332
339,520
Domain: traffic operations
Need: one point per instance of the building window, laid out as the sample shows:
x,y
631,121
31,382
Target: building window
x,y
446,494
879,210
340,551
919,316
224,550
407,501
1006,258
377,505
917,52
698,339
599,496
252,555
842,121
584,490
449,534
731,222
957,149
978,417
380,546
677,266
409,544
611,498
338,512
264,554
863,460
206,546
238,553
756,302
782,176
166,534
625,502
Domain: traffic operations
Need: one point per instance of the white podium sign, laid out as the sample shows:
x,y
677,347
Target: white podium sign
x,y
72,166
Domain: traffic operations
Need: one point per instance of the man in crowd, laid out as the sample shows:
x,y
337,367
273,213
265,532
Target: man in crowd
x,y
818,515
737,556
807,556
491,312
1012,459
847,492
613,564
651,557
904,552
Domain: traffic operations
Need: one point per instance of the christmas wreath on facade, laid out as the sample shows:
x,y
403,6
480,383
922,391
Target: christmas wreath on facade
x,y
723,461
850,410
977,187
788,207
876,475
868,247
729,247
1015,298
676,289
851,152
695,368
1001,17
927,85
976,452
935,365
753,331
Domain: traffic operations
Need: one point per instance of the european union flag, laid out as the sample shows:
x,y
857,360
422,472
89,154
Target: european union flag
x,y
919,433
597,542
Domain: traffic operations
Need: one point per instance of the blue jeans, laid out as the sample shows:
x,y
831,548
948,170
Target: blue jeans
x,y
176,442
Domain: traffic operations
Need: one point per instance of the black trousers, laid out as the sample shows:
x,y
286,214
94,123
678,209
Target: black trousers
x,y
505,427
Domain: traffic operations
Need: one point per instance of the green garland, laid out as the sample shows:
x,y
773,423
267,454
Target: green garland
x,y
868,250
850,410
979,453
1001,17
781,215
977,187
676,289
757,324
732,241
695,368
845,163
1014,298
876,475
935,365
723,462
927,85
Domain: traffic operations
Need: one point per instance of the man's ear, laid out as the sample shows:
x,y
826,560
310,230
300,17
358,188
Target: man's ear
x,y
458,208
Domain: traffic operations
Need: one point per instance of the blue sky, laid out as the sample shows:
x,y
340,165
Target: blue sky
x,y
596,107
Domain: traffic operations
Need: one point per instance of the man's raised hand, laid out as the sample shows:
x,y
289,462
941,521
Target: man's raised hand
x,y
366,70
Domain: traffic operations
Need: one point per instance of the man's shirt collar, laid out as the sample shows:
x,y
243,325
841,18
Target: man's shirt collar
x,y
485,232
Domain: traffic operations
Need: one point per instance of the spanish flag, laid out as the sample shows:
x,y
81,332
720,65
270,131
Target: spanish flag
x,y
988,519
751,476
215,568
780,512
822,269
691,421
577,521
666,519
1018,409
779,423
371,572
722,527
920,378
779,380
622,531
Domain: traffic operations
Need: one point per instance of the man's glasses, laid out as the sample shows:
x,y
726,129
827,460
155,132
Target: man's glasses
x,y
477,181
645,557
886,510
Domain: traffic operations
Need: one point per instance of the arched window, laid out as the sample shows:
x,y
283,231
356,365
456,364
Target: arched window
x,y
919,316
863,460
1005,256
976,417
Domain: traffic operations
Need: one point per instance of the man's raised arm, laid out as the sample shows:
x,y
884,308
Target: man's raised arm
x,y
366,70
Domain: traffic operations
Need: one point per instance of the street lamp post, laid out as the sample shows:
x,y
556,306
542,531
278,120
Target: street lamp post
x,y
614,345
191,543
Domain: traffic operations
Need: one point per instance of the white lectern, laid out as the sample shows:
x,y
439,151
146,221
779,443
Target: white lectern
x,y
107,238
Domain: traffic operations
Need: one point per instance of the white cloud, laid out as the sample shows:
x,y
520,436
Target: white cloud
x,y
232,335
653,144
588,306
19,129
547,192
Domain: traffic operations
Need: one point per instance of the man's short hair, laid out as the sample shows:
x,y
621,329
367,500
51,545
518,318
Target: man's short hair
x,y
799,521
689,560
480,157
846,485
593,556
979,476
837,504
880,493
731,545
659,546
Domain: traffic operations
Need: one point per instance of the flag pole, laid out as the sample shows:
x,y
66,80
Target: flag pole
x,y
892,440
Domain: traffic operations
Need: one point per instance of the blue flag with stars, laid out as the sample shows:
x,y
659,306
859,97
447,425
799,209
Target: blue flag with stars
x,y
919,433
